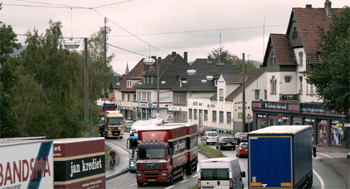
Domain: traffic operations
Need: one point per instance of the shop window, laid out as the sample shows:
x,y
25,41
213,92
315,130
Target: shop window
x,y
322,132
336,129
261,121
272,120
310,121
296,121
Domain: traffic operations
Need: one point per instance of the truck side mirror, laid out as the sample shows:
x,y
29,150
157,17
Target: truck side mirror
x,y
314,151
242,174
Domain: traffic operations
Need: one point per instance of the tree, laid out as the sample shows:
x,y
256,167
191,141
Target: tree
x,y
332,77
8,79
231,58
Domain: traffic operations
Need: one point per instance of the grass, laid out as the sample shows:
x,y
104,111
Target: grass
x,y
106,155
193,187
212,153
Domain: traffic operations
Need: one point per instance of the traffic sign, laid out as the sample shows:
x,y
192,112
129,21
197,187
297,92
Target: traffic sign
x,y
280,116
150,105
170,118
249,118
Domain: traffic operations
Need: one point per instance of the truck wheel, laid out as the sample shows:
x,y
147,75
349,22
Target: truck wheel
x,y
309,184
207,143
182,174
140,184
171,182
189,169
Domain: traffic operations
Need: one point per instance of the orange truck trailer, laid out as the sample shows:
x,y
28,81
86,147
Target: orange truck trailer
x,y
161,154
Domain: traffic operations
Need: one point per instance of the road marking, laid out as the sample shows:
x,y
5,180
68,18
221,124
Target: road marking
x,y
184,181
133,184
195,175
319,178
170,187
324,155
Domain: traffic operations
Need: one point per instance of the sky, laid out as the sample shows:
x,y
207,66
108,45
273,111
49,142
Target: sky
x,y
158,27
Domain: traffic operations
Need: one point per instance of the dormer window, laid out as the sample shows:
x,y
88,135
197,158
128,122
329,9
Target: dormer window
x,y
215,82
295,33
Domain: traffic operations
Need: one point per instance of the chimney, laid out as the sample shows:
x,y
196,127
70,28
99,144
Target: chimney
x,y
173,54
221,59
308,6
209,58
185,56
328,8
154,58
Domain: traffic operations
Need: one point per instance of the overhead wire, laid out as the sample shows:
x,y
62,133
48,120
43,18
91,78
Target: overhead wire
x,y
111,4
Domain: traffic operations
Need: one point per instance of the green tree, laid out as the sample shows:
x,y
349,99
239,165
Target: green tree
x,y
8,79
332,77
231,58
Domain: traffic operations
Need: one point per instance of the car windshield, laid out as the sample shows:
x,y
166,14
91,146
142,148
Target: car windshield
x,y
115,121
151,151
215,174
212,134
227,139
207,129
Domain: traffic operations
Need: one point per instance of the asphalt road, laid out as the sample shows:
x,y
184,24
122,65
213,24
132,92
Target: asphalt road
x,y
324,176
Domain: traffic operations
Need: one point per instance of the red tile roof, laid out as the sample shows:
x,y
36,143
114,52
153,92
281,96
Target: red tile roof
x,y
283,51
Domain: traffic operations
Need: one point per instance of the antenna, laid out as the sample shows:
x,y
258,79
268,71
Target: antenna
x,y
220,44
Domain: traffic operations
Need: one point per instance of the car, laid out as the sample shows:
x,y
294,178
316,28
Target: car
x,y
241,138
202,130
220,173
210,137
226,142
128,124
242,149
237,135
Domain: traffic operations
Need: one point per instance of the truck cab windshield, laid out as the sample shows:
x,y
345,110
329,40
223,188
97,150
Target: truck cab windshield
x,y
151,151
115,121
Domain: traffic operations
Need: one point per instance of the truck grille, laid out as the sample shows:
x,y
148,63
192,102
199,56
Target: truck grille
x,y
116,133
151,166
151,174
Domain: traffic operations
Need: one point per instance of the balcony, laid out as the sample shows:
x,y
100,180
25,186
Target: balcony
x,y
290,97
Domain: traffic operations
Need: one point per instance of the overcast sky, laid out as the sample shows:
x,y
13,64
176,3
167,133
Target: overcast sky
x,y
167,25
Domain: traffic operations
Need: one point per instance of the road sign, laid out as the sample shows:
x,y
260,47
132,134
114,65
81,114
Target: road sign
x,y
249,118
150,105
280,116
170,118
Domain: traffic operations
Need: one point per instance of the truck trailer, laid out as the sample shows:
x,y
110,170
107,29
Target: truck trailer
x,y
192,147
26,163
161,154
280,157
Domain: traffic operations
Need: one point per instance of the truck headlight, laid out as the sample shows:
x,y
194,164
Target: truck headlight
x,y
138,174
132,164
164,174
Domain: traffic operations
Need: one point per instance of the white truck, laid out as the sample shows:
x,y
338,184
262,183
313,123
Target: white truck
x,y
26,163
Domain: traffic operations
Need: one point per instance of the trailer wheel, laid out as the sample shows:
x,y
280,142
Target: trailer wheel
x,y
182,174
310,180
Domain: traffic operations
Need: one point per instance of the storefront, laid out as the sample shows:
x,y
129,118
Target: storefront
x,y
327,126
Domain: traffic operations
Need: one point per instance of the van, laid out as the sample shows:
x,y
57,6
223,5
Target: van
x,y
220,173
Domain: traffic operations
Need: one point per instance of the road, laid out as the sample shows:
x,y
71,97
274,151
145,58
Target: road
x,y
324,176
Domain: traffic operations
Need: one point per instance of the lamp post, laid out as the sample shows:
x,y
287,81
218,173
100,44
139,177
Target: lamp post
x,y
243,94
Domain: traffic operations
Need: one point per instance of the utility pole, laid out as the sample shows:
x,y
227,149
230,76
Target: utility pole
x,y
158,61
243,95
105,54
86,89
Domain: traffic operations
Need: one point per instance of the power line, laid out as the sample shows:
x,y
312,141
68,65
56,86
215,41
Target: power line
x,y
111,4
195,31
43,3
43,6
127,50
130,33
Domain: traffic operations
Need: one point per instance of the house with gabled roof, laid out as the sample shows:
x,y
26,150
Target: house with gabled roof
x,y
170,69
195,90
291,100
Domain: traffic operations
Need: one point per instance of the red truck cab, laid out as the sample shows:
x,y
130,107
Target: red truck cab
x,y
161,154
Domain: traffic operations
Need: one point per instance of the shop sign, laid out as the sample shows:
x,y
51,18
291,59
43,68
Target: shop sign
x,y
316,109
289,107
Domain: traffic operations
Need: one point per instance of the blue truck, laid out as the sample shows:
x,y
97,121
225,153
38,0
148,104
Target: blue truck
x,y
280,157
131,147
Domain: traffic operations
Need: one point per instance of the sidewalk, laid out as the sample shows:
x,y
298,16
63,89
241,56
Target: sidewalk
x,y
122,161
336,158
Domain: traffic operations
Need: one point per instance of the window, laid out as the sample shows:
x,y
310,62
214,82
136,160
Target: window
x,y
221,94
287,79
228,117
129,98
257,94
221,116
215,82
195,114
134,96
148,96
300,58
311,89
138,95
214,116
123,97
151,79
143,96
190,113
273,83
294,33
265,94
144,80
273,59
129,84
301,85
205,115
175,99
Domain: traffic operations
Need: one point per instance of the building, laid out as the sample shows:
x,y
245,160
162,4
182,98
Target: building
x,y
291,100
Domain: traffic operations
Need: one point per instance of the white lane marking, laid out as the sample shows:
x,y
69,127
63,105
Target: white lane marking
x,y
324,155
133,184
170,187
184,181
195,175
319,178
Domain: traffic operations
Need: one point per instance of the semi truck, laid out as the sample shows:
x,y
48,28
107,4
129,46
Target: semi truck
x,y
280,157
113,126
26,163
192,147
161,154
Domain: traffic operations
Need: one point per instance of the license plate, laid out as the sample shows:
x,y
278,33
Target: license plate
x,y
115,134
229,144
246,150
151,179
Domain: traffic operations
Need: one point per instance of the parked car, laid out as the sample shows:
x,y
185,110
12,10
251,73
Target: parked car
x,y
242,149
220,173
241,138
237,135
128,124
202,130
225,142
210,137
